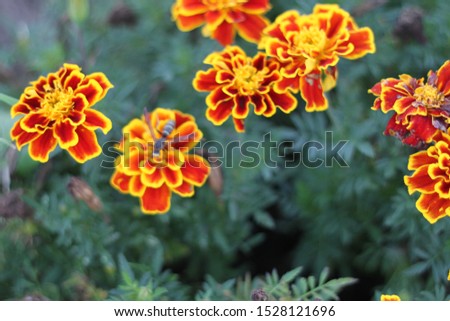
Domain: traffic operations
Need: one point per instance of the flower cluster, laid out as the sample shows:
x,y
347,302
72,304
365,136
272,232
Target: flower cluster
x,y
237,82
154,159
309,47
57,111
222,18
421,119
301,53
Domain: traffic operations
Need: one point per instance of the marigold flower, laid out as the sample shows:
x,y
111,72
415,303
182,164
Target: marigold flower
x,y
155,160
57,111
421,109
309,48
236,82
390,297
222,18
431,178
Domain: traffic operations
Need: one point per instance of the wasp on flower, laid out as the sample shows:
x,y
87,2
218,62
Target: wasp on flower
x,y
155,159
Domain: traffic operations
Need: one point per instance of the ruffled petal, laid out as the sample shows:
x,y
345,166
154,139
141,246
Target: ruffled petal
x,y
22,137
185,189
221,113
443,78
432,207
91,90
205,80
95,119
101,79
65,134
173,178
224,34
42,145
87,147
251,27
420,181
154,180
312,92
155,200
195,170
137,188
121,181
363,42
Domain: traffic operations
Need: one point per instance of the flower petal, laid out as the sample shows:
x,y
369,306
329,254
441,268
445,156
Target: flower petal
x,y
195,170
173,178
420,181
87,147
443,78
42,145
95,119
120,181
251,27
155,200
221,113
101,79
312,92
185,189
136,186
154,180
91,90
363,42
65,134
205,80
224,34
432,207
22,137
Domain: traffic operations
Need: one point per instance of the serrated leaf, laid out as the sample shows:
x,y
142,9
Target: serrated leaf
x,y
291,275
323,276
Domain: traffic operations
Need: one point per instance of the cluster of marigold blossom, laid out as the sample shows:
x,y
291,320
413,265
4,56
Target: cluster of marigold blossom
x,y
300,53
421,119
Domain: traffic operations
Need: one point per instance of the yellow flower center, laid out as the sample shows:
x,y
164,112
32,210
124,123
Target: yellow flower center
x,y
57,102
223,4
429,96
248,79
310,41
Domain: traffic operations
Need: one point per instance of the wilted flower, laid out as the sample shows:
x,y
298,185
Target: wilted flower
x,y
431,178
309,48
155,160
420,109
57,111
390,297
237,82
222,18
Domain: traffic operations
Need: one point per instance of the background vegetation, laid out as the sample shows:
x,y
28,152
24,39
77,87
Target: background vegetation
x,y
358,221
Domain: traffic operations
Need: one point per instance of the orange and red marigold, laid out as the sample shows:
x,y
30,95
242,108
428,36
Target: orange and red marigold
x,y
390,297
155,160
309,47
57,111
222,18
431,178
420,109
237,82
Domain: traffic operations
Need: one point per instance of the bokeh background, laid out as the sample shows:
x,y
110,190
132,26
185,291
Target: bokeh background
x,y
357,221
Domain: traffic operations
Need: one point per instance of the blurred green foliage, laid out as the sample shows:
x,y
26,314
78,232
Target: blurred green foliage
x,y
356,220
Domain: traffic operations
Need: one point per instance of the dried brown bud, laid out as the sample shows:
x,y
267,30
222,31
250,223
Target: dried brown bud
x,y
81,191
122,15
409,25
259,295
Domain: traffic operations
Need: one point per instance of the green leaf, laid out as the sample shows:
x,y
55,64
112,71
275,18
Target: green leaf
x,y
8,100
291,275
